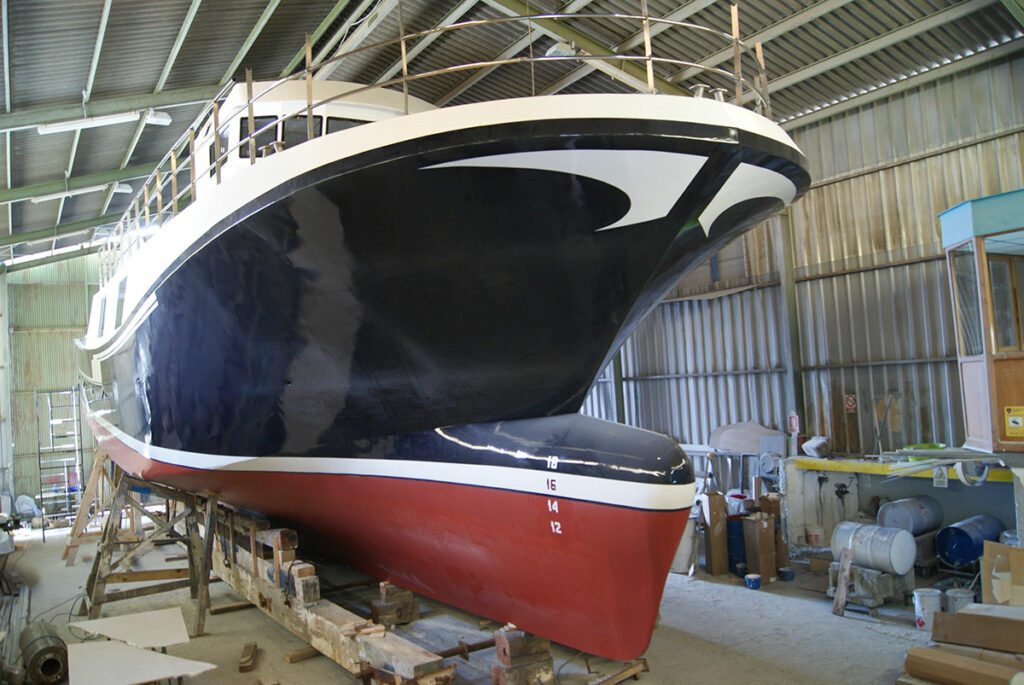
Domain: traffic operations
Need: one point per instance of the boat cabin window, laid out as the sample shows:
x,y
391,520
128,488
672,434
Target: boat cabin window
x,y
265,138
295,130
335,124
120,301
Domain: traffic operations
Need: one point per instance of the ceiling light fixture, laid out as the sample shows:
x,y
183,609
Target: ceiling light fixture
x,y
152,117
118,188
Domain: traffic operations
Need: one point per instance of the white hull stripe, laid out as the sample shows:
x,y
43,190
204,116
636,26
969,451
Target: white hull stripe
x,y
649,496
641,174
746,183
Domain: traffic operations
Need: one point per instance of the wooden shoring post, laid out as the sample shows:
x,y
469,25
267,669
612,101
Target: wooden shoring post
x,y
309,89
252,550
737,62
252,117
205,564
145,204
95,586
83,518
192,161
192,545
216,143
174,182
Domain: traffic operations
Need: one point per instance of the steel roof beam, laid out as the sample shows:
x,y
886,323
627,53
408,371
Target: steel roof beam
x,y
426,41
35,116
178,42
315,36
796,20
341,33
1016,8
7,110
257,29
679,14
49,259
58,231
508,53
97,49
75,183
367,26
963,64
629,72
886,40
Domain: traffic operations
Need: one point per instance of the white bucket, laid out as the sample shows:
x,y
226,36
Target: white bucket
x,y
957,598
815,536
892,550
926,602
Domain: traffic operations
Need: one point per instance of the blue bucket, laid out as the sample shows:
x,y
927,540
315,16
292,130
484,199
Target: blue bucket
x,y
753,581
734,542
963,543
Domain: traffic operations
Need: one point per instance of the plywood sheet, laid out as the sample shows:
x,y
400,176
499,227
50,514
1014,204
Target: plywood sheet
x,y
148,629
115,663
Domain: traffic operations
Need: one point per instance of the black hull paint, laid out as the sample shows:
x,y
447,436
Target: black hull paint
x,y
374,298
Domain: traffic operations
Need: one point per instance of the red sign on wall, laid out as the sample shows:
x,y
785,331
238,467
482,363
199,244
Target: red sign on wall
x,y
850,403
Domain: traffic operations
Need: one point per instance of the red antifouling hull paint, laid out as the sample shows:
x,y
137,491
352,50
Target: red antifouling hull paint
x,y
587,575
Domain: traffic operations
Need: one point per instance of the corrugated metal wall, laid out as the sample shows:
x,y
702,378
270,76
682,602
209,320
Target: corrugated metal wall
x,y
872,290
47,311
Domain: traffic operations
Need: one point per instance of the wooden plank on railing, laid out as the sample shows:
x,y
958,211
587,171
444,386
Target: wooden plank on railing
x,y
737,63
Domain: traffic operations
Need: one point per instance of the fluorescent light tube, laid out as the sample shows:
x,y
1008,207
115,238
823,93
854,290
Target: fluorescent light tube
x,y
118,188
152,116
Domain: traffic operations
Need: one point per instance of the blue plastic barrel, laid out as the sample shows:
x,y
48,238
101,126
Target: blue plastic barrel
x,y
963,543
734,543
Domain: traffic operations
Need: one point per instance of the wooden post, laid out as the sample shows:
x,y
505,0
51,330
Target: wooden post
x,y
203,600
83,518
95,586
842,582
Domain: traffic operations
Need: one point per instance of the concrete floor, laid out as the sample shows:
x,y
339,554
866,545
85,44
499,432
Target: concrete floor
x,y
710,630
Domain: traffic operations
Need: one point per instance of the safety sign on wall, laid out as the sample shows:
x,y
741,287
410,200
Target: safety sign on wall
x,y
1015,421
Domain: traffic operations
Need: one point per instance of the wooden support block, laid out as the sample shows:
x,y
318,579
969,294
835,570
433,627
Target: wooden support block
x,y
301,655
541,671
942,667
515,643
282,538
307,589
394,613
247,661
226,608
979,630
285,555
301,569
842,582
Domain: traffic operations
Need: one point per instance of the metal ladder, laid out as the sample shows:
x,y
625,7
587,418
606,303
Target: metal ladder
x,y
59,440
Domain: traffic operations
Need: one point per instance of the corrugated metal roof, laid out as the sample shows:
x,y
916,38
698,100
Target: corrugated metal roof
x,y
52,45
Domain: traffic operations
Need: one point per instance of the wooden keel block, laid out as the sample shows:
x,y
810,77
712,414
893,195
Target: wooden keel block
x,y
247,661
301,569
306,589
393,613
281,538
285,556
393,593
530,674
511,643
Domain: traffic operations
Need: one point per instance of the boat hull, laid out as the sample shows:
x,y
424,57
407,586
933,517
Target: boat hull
x,y
586,574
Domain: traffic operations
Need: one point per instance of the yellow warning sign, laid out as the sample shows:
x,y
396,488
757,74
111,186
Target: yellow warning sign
x,y
1014,421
